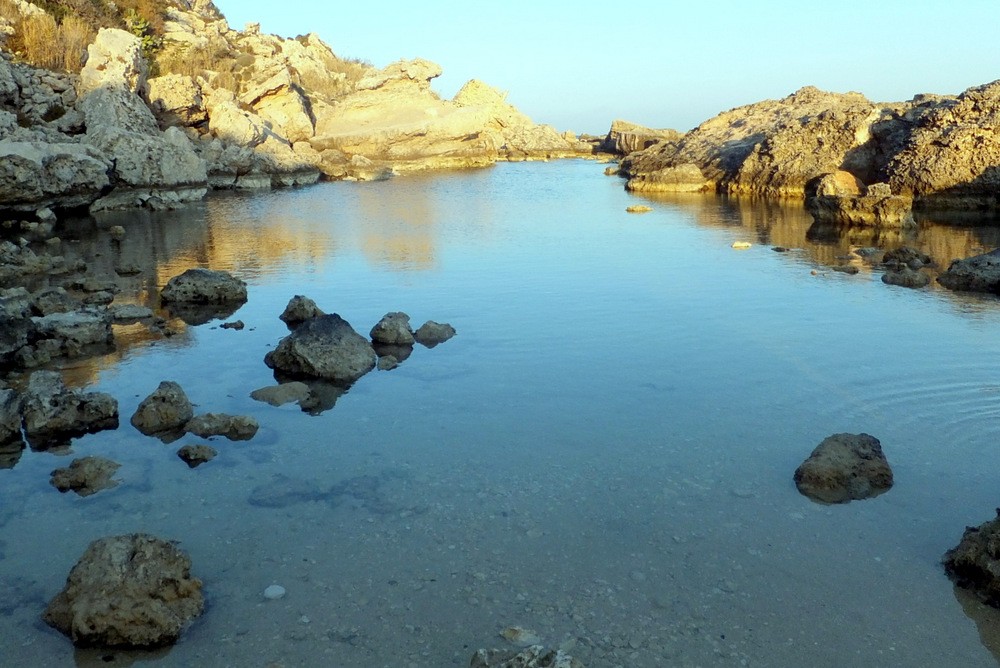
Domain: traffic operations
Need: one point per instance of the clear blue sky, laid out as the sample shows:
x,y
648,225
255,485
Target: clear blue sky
x,y
580,65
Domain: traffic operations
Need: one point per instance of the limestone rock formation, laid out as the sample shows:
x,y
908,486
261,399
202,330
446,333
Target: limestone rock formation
x,y
86,476
624,137
393,329
974,274
324,347
131,591
54,414
844,467
205,286
167,409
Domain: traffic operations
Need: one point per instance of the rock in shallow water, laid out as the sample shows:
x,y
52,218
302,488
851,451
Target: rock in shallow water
x,y
975,562
166,409
535,656
432,333
131,591
844,467
323,347
196,455
233,427
86,476
53,413
205,286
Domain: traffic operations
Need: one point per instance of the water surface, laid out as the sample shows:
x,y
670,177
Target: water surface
x,y
603,455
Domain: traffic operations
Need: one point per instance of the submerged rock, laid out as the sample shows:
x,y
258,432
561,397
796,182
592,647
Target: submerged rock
x,y
196,455
975,562
233,427
131,591
393,329
166,410
279,395
323,347
980,273
844,467
432,333
54,414
205,286
535,656
86,476
298,310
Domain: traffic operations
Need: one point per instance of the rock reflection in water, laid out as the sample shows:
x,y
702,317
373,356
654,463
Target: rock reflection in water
x,y
987,619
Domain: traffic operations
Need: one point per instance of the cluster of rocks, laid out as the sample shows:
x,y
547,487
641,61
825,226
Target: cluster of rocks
x,y
276,112
167,414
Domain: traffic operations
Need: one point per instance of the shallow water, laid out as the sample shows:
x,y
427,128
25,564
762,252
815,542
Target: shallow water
x,y
603,455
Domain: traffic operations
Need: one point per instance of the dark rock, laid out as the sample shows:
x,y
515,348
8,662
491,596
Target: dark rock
x,y
324,347
401,353
54,414
75,333
233,427
132,591
86,476
431,333
237,325
907,278
393,329
975,562
905,256
196,455
10,416
204,286
844,467
167,409
53,300
780,249
279,395
980,273
535,656
387,363
845,268
298,310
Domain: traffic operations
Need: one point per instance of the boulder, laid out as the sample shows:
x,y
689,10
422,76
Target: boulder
x,y
844,467
325,347
53,300
204,286
196,455
167,409
907,278
393,329
54,414
131,591
231,124
16,327
114,60
176,100
432,333
85,476
299,310
534,656
980,273
624,137
233,427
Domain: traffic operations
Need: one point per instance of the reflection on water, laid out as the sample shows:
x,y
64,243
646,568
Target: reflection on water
x,y
603,455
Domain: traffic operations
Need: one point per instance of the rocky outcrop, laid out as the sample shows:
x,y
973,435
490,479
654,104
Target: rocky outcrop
x,y
132,591
233,427
393,329
685,178
325,347
166,410
53,414
974,274
844,467
85,476
204,286
841,199
624,137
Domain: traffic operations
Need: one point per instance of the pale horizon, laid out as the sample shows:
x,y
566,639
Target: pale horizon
x,y
658,64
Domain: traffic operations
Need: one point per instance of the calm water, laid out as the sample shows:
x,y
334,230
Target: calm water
x,y
603,455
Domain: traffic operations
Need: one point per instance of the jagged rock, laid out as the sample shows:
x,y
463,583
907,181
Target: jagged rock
x,y
624,137
73,333
10,417
53,413
16,327
393,329
232,124
975,562
86,476
298,310
233,427
53,300
35,174
280,102
432,333
285,393
980,273
196,455
844,467
205,286
167,409
176,99
132,591
323,347
535,656
114,60
907,278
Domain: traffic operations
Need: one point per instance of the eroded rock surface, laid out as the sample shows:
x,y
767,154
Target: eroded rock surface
x,y
980,273
167,409
196,455
131,591
393,329
233,427
298,310
54,414
86,476
204,286
975,562
324,347
844,467
432,333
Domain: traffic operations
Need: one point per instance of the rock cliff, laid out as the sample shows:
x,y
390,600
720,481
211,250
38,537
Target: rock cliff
x,y
235,109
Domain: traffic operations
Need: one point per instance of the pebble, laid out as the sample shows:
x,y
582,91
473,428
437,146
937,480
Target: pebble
x,y
274,592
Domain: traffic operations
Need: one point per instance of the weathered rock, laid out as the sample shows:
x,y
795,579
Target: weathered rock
x,y
905,256
387,363
535,656
279,395
86,476
114,60
196,455
233,427
975,562
841,199
624,137
167,409
53,413
176,100
53,300
204,286
130,313
74,333
681,178
282,105
132,591
432,333
907,278
35,174
393,329
10,416
324,347
980,273
844,467
299,310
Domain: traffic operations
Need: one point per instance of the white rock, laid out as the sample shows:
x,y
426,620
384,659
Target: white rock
x,y
274,592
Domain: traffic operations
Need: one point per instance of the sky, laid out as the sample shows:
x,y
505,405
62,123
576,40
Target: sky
x,y
666,64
